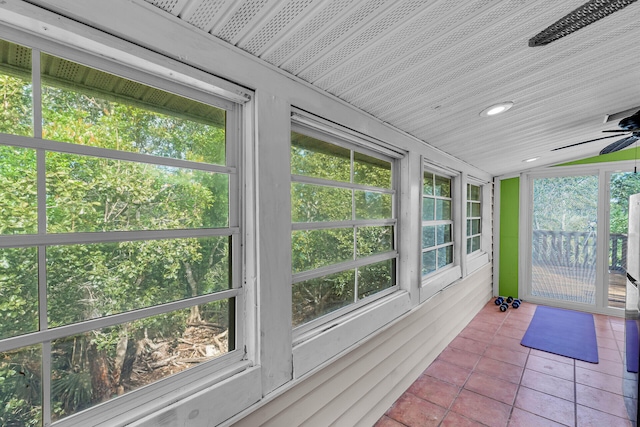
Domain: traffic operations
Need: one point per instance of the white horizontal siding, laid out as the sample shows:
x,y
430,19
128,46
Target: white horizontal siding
x,y
357,388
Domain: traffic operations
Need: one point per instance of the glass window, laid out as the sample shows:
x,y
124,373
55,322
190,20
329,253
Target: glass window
x,y
342,245
437,223
474,218
112,237
564,241
16,114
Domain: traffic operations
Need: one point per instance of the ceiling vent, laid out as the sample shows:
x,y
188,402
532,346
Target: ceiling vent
x,y
586,14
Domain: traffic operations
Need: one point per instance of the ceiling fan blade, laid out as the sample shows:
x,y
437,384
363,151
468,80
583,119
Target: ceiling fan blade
x,y
584,142
619,145
622,130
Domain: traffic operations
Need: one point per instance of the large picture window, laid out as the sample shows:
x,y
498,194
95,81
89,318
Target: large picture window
x,y
120,236
344,221
437,222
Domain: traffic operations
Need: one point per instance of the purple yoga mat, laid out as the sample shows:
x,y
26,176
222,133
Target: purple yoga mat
x,y
565,332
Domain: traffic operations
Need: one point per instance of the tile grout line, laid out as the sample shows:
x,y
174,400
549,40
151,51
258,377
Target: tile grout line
x,y
473,370
575,393
448,410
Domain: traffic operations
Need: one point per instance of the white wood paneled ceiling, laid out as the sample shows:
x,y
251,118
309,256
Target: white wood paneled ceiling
x,y
428,67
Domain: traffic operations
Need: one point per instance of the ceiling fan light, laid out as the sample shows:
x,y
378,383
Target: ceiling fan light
x,y
494,109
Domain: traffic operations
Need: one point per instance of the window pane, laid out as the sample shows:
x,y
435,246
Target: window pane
x,y
445,256
316,203
444,234
621,186
373,205
317,248
473,192
91,368
428,262
564,243
442,186
319,159
428,208
376,277
469,246
371,171
82,105
475,243
92,194
469,233
374,240
96,280
16,114
317,297
18,190
475,209
20,387
18,291
443,209
427,184
428,236
475,226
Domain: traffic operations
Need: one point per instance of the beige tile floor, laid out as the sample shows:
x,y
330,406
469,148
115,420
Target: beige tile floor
x,y
485,377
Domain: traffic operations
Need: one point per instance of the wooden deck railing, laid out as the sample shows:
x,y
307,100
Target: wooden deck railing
x,y
576,249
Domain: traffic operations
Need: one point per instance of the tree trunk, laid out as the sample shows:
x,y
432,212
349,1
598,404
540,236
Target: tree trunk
x,y
118,363
99,369
194,315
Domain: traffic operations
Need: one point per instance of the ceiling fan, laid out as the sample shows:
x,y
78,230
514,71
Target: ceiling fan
x,y
629,124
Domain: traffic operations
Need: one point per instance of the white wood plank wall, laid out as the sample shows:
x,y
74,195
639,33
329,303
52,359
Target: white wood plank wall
x,y
359,387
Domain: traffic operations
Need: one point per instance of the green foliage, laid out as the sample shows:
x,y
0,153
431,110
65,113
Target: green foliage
x,y
20,388
316,248
565,203
376,277
18,198
16,112
622,186
317,297
90,194
18,291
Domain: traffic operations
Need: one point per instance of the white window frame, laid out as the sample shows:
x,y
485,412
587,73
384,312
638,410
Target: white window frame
x,y
191,84
437,280
601,172
321,339
478,258
470,217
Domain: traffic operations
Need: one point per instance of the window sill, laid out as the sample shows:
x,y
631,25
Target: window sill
x,y
432,284
338,337
476,260
213,397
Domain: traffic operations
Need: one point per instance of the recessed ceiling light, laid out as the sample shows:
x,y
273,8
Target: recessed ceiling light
x,y
533,159
496,109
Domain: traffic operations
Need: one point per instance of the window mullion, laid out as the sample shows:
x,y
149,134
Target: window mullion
x,y
113,320
46,383
339,184
347,265
41,207
108,153
353,218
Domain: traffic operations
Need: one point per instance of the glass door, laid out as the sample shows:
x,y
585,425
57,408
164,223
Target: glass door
x,y
564,240
621,186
